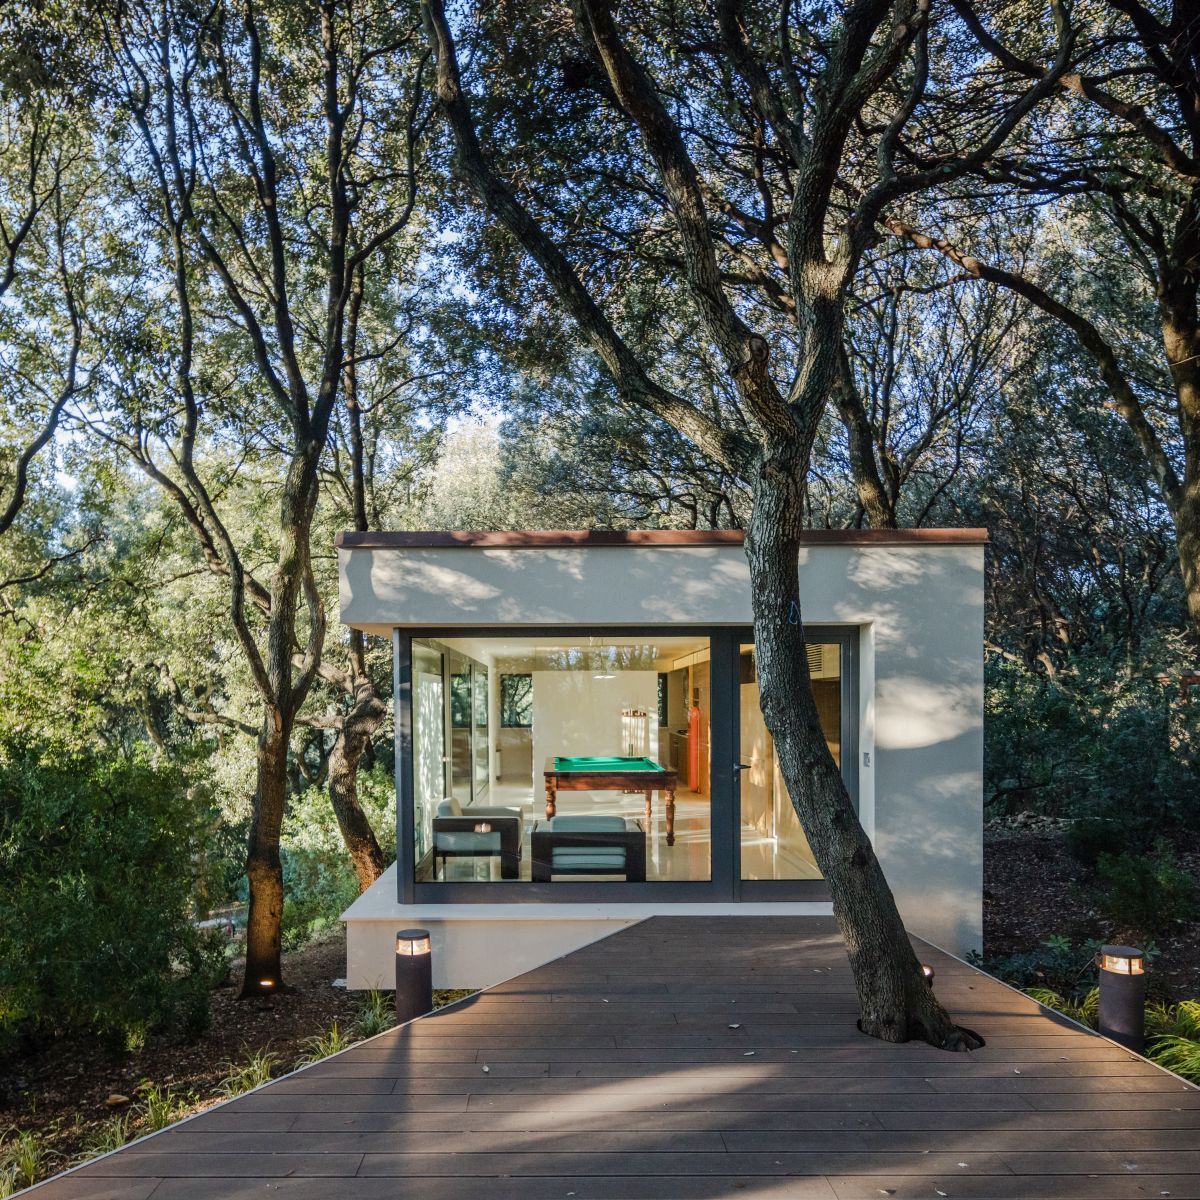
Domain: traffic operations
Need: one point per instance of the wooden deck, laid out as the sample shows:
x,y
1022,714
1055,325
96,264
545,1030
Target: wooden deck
x,y
688,1057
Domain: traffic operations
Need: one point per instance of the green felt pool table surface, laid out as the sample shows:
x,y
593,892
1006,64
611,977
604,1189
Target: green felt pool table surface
x,y
590,765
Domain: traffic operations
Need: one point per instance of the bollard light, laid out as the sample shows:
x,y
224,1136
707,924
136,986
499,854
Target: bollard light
x,y
928,972
1122,996
414,974
266,988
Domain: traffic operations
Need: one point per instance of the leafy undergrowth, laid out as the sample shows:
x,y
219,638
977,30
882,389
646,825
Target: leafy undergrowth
x,y
74,1099
1172,1030
1037,893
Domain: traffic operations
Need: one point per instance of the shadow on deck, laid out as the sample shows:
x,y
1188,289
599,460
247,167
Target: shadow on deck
x,y
688,1057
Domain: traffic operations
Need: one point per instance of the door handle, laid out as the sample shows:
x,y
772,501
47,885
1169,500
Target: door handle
x,y
738,768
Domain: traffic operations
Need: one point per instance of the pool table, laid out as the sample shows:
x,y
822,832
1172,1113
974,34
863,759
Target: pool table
x,y
576,774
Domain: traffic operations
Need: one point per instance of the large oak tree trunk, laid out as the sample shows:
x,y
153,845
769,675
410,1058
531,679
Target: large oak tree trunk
x,y
896,1004
264,869
361,722
1187,533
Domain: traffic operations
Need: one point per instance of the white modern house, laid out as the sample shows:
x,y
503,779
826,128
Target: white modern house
x,y
579,743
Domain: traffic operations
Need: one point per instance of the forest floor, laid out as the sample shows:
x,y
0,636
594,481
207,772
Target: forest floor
x,y
1033,889
60,1092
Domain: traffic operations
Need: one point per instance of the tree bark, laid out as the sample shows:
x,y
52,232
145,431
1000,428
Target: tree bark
x,y
1187,539
878,505
353,737
895,1002
264,868
367,712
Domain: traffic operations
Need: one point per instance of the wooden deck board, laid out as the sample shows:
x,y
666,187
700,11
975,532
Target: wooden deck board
x,y
614,1074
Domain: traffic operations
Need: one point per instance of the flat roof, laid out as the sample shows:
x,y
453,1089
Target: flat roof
x,y
558,538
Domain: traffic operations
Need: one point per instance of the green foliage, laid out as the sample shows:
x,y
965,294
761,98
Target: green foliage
x,y
378,1012
22,1161
1090,837
1178,1054
1084,1010
319,880
162,1106
322,1045
243,1077
1172,1031
112,1135
1145,892
96,858
1056,967
1111,749
1173,1037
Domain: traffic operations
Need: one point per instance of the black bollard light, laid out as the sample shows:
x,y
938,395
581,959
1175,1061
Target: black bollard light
x,y
1122,996
414,974
928,972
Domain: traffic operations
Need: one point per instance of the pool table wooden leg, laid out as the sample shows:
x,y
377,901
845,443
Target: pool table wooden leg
x,y
649,809
670,816
551,792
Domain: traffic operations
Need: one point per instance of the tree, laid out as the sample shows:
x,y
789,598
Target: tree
x,y
832,104
46,171
1123,161
273,158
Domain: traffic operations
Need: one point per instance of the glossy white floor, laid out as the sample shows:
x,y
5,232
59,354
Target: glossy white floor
x,y
687,861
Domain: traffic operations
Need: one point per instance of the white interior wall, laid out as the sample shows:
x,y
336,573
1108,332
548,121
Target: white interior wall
x,y
574,712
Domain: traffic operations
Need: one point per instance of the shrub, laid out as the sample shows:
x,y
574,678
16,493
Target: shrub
x,y
1090,837
96,869
1093,743
318,879
1146,893
1056,966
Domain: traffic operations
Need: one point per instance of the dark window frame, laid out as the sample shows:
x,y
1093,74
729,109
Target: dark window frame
x,y
725,883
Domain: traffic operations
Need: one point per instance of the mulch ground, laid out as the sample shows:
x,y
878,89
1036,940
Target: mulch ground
x,y
59,1091
1033,888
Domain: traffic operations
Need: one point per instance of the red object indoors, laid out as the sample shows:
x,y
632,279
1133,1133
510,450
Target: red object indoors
x,y
693,769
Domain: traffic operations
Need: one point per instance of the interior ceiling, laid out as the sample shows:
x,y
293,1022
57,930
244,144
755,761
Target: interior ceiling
x,y
525,647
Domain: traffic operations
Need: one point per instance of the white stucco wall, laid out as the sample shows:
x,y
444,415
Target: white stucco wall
x,y
919,612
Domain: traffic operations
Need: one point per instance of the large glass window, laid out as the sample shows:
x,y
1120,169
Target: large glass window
x,y
773,842
571,760
429,740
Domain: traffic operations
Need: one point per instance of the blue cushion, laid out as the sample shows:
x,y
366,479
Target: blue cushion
x,y
592,860
480,843
568,824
